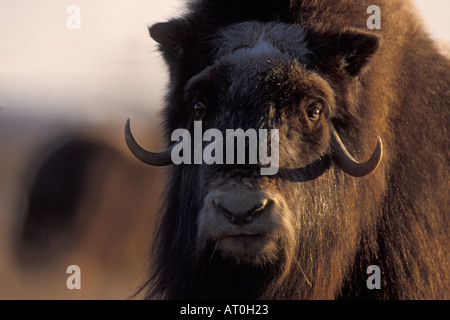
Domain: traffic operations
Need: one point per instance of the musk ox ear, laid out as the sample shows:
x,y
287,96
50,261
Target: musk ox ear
x,y
349,50
356,49
170,35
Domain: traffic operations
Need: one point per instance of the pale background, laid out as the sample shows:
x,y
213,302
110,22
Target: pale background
x,y
107,69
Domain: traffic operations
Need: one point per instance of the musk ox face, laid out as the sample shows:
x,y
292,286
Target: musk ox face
x,y
266,76
258,81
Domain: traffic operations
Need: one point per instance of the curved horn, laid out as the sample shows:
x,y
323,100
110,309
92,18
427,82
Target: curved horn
x,y
349,165
151,158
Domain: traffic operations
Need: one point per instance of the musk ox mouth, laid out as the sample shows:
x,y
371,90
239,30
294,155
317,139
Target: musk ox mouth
x,y
245,235
248,248
245,224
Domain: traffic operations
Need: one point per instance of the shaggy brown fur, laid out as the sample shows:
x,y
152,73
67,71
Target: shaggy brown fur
x,y
396,218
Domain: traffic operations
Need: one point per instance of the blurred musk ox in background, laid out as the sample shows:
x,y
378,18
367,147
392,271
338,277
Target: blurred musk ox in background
x,y
314,71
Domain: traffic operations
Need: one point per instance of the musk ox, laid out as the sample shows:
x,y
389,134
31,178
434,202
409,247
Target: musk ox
x,y
312,70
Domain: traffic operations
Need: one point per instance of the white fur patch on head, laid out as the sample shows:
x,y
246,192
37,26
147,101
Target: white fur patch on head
x,y
261,48
254,38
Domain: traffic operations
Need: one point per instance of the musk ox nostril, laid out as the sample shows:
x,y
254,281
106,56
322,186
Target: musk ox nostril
x,y
238,212
224,211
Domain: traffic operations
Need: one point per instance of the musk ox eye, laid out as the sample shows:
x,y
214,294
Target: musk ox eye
x,y
199,110
314,111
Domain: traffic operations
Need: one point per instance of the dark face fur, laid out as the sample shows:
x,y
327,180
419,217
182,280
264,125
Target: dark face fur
x,y
244,215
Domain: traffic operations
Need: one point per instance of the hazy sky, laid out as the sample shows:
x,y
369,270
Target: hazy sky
x,y
108,65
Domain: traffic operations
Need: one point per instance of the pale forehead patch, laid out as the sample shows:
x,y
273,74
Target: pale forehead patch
x,y
254,38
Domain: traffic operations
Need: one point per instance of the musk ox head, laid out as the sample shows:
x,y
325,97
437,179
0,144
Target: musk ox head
x,y
255,75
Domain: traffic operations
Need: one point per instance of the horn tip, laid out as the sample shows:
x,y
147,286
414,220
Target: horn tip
x,y
380,146
380,142
127,129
